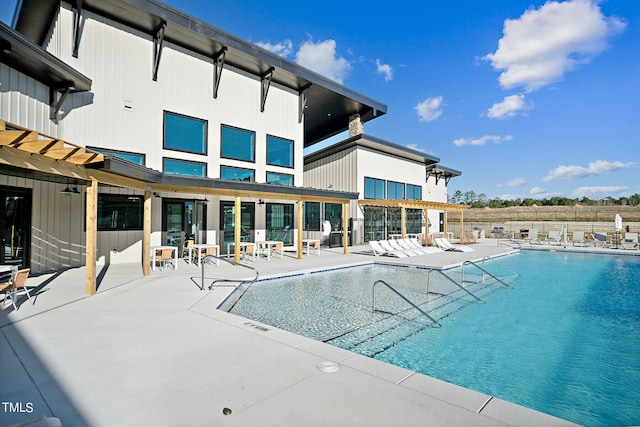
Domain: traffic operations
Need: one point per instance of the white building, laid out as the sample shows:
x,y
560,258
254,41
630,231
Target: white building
x,y
128,124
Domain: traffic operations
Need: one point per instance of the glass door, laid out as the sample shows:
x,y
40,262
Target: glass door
x,y
227,222
183,220
280,223
15,226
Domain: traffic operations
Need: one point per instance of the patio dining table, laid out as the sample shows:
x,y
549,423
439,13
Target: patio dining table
x,y
200,247
155,249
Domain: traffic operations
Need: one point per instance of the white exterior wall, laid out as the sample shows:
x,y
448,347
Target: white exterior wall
x,y
119,61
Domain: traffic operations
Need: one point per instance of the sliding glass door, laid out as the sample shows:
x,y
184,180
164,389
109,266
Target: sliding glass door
x,y
15,226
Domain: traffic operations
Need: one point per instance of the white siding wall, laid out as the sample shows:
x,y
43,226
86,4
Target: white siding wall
x,y
119,61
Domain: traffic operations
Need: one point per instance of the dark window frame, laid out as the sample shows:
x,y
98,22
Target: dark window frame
x,y
128,197
108,151
222,156
164,169
253,173
293,157
164,133
281,174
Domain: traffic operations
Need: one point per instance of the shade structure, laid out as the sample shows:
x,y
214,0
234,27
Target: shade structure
x,y
618,223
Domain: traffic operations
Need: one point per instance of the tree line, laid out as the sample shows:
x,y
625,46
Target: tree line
x,y
481,201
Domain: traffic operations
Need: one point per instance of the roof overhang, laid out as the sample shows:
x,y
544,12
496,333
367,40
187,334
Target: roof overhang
x,y
328,103
22,54
376,144
413,204
439,172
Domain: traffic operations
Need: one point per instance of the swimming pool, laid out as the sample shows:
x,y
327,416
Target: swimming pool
x,y
563,339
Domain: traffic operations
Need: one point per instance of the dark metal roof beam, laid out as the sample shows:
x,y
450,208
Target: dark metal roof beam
x,y
158,41
265,80
55,104
218,66
302,101
77,20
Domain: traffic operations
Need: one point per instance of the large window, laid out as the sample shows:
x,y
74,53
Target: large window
x,y
237,174
280,222
279,151
395,190
185,133
132,157
333,214
414,192
312,216
279,179
374,188
238,144
184,167
119,212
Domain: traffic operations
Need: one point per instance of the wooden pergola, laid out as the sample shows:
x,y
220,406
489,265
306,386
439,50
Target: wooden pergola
x,y
423,205
46,156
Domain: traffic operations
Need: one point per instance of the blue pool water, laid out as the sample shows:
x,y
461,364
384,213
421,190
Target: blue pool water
x,y
564,338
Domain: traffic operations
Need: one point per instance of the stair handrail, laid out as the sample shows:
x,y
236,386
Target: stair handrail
x,y
483,272
204,260
451,280
373,304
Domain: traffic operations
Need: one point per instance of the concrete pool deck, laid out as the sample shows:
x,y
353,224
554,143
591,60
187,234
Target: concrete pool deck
x,y
155,350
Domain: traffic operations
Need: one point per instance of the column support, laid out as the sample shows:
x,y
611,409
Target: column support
x,y
91,237
146,234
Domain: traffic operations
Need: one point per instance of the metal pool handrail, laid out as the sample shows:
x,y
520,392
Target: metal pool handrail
x,y
373,305
484,271
217,280
451,280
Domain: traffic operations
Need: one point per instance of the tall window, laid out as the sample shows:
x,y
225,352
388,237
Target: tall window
x,y
280,222
184,133
237,174
119,212
238,144
414,192
333,214
183,167
312,216
279,179
374,188
279,151
395,190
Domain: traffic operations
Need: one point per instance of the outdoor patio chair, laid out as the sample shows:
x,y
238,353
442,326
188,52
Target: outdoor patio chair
x,y
248,249
600,239
425,249
532,237
578,239
386,245
185,249
377,249
554,237
16,284
395,244
270,250
314,246
209,251
406,243
630,241
164,257
445,244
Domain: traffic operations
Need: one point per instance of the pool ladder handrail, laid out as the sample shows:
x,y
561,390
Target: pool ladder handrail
x,y
442,273
484,271
218,280
373,304
512,243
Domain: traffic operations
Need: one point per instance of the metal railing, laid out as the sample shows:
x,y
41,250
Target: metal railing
x,y
215,280
395,291
442,273
484,271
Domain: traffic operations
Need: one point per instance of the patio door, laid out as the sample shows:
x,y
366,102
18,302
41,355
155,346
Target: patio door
x,y
227,222
183,220
15,226
280,222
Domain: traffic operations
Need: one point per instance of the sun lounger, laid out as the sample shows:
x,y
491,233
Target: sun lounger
x,y
426,249
554,237
445,244
377,249
532,237
630,241
395,244
578,239
600,239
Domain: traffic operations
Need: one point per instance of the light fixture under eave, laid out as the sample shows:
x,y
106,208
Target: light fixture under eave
x,y
67,191
260,202
75,189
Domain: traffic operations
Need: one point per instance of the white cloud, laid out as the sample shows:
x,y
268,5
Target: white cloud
x,y
385,69
537,191
496,139
517,182
321,58
599,167
430,109
540,46
603,190
416,147
284,48
509,107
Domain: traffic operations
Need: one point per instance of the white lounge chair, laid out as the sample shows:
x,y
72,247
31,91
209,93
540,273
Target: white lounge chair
x,y
554,237
404,243
532,236
630,241
426,249
396,245
578,239
445,244
377,249
600,239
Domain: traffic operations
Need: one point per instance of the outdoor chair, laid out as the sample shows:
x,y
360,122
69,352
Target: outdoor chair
x,y
395,244
185,250
532,237
377,249
249,249
16,284
278,248
554,237
394,251
314,246
578,239
164,257
600,239
209,251
445,244
630,241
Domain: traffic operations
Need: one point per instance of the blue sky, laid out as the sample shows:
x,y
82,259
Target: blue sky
x,y
526,98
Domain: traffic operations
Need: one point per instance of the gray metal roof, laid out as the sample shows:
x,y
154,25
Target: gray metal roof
x,y
376,144
22,54
329,104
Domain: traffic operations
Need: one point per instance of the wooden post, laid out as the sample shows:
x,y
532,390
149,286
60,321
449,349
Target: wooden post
x,y
345,227
446,223
461,224
237,229
300,224
146,234
91,237
426,225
